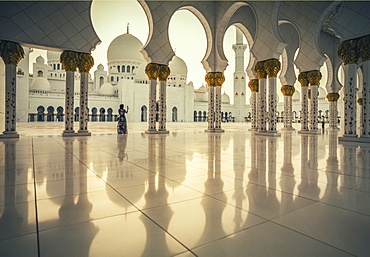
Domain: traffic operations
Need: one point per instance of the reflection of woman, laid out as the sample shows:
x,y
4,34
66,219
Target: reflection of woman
x,y
122,124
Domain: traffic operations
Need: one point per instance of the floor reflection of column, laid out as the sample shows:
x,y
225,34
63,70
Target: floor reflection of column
x,y
157,195
332,164
271,190
349,164
364,161
313,174
302,187
287,181
239,166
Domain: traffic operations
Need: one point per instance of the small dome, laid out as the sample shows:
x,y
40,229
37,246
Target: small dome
x,y
114,70
40,84
40,60
53,56
140,72
178,67
125,47
205,97
100,67
225,99
107,89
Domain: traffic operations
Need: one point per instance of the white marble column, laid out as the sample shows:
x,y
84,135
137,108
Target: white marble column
x,y
288,92
272,67
253,85
333,110
314,78
348,52
364,51
164,72
302,78
152,71
86,62
262,75
69,60
214,81
11,53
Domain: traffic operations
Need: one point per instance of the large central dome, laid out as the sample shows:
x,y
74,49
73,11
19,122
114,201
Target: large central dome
x,y
125,47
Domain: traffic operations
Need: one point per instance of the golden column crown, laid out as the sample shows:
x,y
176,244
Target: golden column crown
x,y
11,52
253,85
314,77
163,72
359,101
347,51
287,90
272,67
152,71
70,60
332,97
302,78
363,45
215,79
260,70
85,62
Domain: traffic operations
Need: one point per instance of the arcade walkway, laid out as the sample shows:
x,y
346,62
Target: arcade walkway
x,y
185,194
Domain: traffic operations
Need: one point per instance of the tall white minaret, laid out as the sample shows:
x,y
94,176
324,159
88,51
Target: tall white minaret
x,y
239,77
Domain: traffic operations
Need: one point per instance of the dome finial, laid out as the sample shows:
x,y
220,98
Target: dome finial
x,y
128,28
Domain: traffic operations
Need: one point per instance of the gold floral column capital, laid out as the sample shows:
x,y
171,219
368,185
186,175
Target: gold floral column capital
x,y
348,52
302,78
360,101
363,45
85,62
215,79
163,72
272,67
260,70
152,71
253,85
332,97
314,77
287,90
70,60
11,52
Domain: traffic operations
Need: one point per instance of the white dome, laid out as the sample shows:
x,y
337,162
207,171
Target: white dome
x,y
205,97
100,67
178,67
225,99
125,47
107,89
40,60
53,56
40,84
140,72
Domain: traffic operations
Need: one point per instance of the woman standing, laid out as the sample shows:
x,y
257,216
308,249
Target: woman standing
x,y
122,124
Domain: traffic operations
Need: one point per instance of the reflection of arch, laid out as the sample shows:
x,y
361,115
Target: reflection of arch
x,y
174,114
60,113
94,113
110,112
50,116
143,113
102,114
77,113
195,116
40,113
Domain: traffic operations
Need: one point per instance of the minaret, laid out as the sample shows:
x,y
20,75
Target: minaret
x,y
239,77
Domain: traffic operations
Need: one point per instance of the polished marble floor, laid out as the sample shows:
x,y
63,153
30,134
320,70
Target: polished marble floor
x,y
188,193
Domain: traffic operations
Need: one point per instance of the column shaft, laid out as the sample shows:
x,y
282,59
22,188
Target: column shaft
x,y
333,115
69,102
366,100
254,119
152,105
262,106
217,104
211,108
10,100
304,109
314,108
162,105
350,100
84,113
288,113
272,104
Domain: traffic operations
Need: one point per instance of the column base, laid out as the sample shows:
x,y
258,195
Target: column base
x,y
9,134
314,132
214,130
83,133
290,129
303,131
273,134
253,129
152,131
68,133
354,139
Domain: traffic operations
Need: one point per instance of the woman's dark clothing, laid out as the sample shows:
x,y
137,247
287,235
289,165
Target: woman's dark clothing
x,y
122,124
